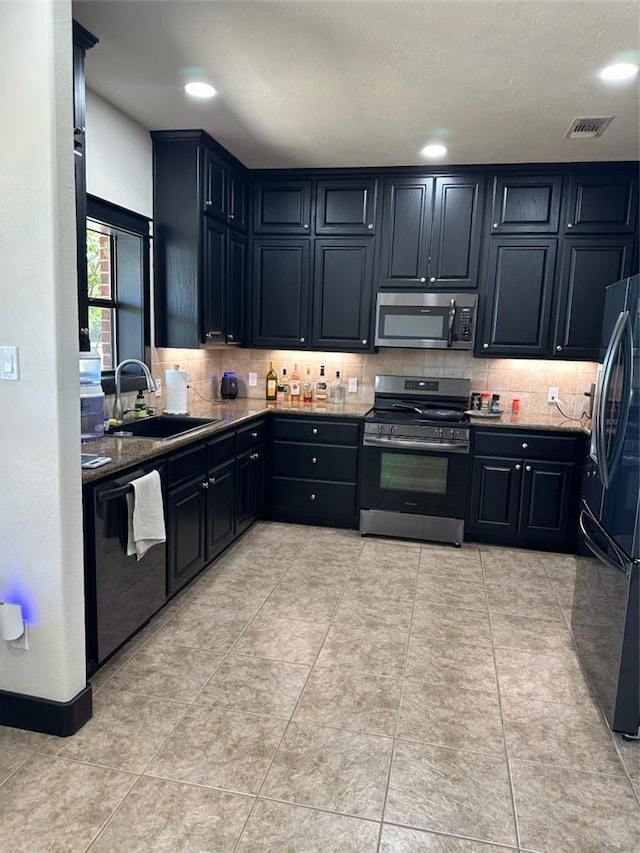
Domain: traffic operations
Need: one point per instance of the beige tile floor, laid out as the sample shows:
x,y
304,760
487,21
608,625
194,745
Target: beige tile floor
x,y
315,691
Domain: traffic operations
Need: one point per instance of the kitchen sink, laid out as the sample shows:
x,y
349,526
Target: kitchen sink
x,y
160,426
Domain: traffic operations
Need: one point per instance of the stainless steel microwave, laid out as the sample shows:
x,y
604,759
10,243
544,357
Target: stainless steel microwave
x,y
426,320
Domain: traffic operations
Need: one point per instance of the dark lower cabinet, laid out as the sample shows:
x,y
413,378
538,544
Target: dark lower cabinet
x,y
250,472
221,510
524,500
186,514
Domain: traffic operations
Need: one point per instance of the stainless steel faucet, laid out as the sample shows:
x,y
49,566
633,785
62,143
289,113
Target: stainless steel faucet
x,y
151,385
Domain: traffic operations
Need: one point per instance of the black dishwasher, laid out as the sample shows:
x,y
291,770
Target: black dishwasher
x,y
121,593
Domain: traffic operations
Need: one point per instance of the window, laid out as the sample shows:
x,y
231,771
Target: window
x,y
118,289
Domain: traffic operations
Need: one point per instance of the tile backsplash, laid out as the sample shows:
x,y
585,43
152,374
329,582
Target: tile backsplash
x,y
527,379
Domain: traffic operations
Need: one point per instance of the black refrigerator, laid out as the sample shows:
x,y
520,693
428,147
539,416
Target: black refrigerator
x,y
606,602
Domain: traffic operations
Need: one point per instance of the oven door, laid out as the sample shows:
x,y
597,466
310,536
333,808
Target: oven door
x,y
424,482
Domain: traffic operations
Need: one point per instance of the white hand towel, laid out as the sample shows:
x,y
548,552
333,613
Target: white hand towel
x,y
146,515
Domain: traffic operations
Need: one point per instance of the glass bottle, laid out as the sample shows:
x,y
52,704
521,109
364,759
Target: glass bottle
x,y
321,387
294,385
282,395
307,388
272,383
336,392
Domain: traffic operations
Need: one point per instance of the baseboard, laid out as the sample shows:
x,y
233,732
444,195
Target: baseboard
x,y
46,715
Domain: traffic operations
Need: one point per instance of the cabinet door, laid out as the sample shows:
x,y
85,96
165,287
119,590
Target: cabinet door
x,y
214,200
186,552
549,501
346,207
221,509
406,230
214,279
342,294
495,495
588,265
250,488
282,207
526,204
236,287
236,200
281,293
606,203
455,242
517,309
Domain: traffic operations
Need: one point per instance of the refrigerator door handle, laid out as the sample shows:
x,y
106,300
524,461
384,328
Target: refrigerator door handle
x,y
623,563
605,379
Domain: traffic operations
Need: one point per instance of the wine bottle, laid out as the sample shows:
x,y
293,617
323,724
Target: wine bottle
x,y
307,388
321,387
294,385
282,394
272,383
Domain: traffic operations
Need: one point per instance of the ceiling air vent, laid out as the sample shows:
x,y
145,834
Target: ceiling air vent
x,y
588,128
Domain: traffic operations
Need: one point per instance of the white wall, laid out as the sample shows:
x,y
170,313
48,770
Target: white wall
x,y
40,483
119,156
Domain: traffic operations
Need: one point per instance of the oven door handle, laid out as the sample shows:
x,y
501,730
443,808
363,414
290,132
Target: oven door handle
x,y
406,443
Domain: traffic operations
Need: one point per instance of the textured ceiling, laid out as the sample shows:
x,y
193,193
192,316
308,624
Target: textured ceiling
x,y
369,82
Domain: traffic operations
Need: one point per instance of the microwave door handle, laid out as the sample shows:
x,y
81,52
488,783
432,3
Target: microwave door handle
x,y
452,317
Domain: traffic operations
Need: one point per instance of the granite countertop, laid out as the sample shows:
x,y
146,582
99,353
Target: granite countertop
x,y
125,452
542,422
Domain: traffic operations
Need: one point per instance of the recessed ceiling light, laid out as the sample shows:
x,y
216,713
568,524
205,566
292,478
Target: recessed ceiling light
x,y
619,71
433,151
200,90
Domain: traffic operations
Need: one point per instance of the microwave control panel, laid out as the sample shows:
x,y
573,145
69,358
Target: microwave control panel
x,y
464,324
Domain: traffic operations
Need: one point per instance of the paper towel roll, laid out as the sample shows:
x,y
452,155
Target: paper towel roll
x,y
175,391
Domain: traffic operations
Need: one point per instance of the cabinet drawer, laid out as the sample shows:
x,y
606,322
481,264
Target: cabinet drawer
x,y
312,497
251,436
324,432
186,465
221,450
320,462
526,445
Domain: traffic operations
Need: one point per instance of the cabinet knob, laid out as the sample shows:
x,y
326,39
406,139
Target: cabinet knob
x,y
254,435
305,225
495,224
313,497
301,340
569,224
212,480
485,346
364,341
370,226
527,467
231,216
208,202
558,348
433,278
524,445
229,337
423,278
314,431
518,467
314,460
213,334
205,485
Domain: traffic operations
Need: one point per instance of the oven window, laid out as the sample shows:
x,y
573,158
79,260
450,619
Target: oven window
x,y
412,473
413,326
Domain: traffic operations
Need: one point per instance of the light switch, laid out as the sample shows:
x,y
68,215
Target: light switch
x,y
9,363
353,385
253,380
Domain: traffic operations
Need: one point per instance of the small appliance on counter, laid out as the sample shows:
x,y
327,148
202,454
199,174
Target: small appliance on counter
x,y
91,396
229,386
176,382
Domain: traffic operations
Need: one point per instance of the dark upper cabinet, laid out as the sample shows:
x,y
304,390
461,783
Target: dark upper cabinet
x,y
281,284
196,266
346,207
82,42
215,238
603,203
455,241
236,287
517,306
526,204
406,230
342,294
587,266
282,207
236,200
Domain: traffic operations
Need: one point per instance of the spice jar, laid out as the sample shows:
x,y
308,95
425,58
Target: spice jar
x,y
486,402
515,405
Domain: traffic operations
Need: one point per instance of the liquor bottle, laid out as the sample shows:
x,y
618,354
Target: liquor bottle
x,y
307,388
294,385
272,383
336,391
282,394
321,387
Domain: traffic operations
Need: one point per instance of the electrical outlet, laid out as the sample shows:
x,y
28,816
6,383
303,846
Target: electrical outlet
x,y
353,385
253,380
158,387
23,641
553,394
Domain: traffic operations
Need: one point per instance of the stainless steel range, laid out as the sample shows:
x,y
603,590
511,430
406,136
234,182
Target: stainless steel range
x,y
416,459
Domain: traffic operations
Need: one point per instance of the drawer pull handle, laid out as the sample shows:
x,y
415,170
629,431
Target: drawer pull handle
x,y
205,485
524,445
527,467
254,435
518,467
314,460
314,431
212,480
313,497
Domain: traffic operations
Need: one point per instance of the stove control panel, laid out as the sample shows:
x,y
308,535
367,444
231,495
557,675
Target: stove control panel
x,y
417,432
